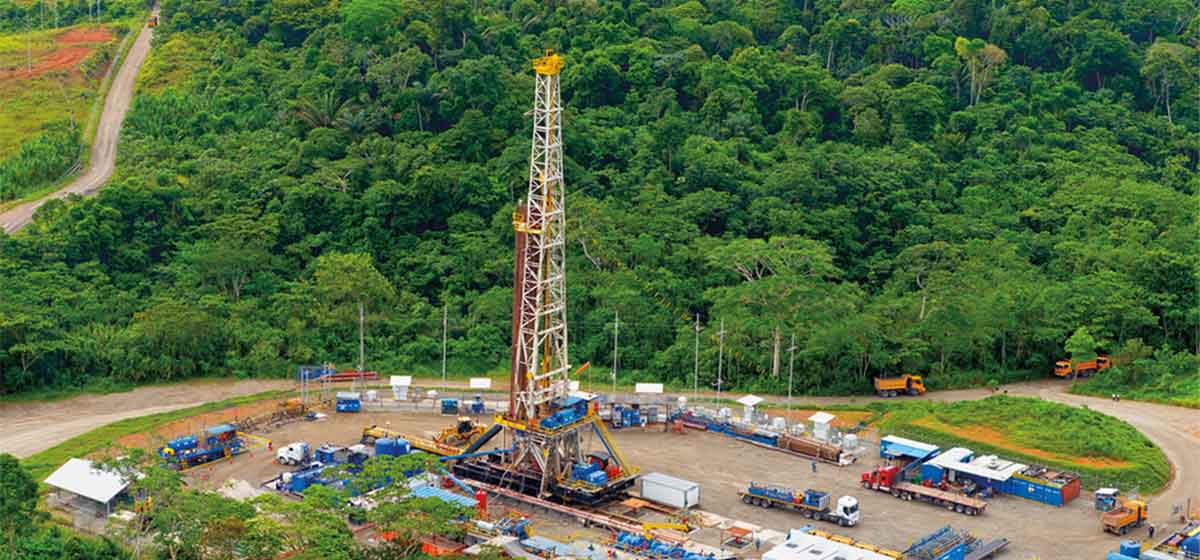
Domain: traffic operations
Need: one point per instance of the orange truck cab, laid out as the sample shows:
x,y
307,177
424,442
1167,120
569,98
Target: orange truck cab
x,y
152,22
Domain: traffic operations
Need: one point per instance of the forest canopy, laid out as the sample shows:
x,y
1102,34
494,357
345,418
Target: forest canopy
x,y
944,187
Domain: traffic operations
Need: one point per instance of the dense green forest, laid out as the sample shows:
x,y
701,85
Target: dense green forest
x,y
950,188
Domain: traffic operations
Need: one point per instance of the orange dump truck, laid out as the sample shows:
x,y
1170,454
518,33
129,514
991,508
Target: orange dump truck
x,y
1119,521
1067,369
904,385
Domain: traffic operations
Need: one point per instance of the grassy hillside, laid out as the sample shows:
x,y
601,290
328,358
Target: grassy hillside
x,y
49,83
1103,450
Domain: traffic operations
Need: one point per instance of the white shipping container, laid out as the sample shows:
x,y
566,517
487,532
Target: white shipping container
x,y
669,491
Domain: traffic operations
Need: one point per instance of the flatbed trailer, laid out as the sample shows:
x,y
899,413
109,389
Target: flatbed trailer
x,y
950,500
891,479
825,513
988,550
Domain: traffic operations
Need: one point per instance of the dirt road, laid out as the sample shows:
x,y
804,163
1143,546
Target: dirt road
x,y
32,427
104,147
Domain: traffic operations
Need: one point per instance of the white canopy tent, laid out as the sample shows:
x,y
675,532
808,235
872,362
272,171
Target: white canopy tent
x,y
81,478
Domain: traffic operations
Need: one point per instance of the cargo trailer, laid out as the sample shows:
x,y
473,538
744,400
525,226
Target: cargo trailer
x,y
669,491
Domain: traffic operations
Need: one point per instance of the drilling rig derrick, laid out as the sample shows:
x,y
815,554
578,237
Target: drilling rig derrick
x,y
550,427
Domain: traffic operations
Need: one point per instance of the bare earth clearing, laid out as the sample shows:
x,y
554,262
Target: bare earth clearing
x,y
720,464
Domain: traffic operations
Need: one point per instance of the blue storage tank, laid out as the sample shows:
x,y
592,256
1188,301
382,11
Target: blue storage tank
x,y
183,443
1131,548
394,447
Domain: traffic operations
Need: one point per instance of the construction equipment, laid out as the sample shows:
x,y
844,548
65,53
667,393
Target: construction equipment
x,y
293,407
906,384
812,504
1131,514
296,453
889,479
1068,369
152,22
648,527
462,433
374,432
545,420
219,442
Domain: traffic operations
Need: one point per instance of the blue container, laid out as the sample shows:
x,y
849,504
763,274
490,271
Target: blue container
x,y
1116,556
1131,548
599,478
1191,544
581,470
932,473
449,406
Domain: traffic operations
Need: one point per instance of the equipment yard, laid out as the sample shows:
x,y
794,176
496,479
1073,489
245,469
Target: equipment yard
x,y
722,466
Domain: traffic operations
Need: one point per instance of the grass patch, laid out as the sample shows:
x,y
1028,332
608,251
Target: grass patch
x,y
28,103
1103,450
175,61
41,464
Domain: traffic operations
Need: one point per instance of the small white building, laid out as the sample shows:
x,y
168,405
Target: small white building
x,y
801,545
748,403
821,422
400,385
81,485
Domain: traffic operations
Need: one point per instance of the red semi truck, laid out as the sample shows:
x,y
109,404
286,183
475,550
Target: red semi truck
x,y
888,479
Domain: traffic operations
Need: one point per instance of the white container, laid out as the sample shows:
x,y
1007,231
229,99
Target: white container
x,y
669,491
372,395
850,442
779,424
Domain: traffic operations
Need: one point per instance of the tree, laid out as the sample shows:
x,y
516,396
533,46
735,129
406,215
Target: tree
x,y
367,21
1167,70
352,278
982,60
18,501
1081,346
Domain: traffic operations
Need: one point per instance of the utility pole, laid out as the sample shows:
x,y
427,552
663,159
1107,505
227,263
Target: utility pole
x,y
696,360
791,366
616,333
362,345
720,357
445,315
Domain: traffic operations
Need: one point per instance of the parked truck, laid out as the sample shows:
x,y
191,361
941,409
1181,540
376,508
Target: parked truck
x,y
1119,521
812,504
1067,369
296,453
888,479
906,384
